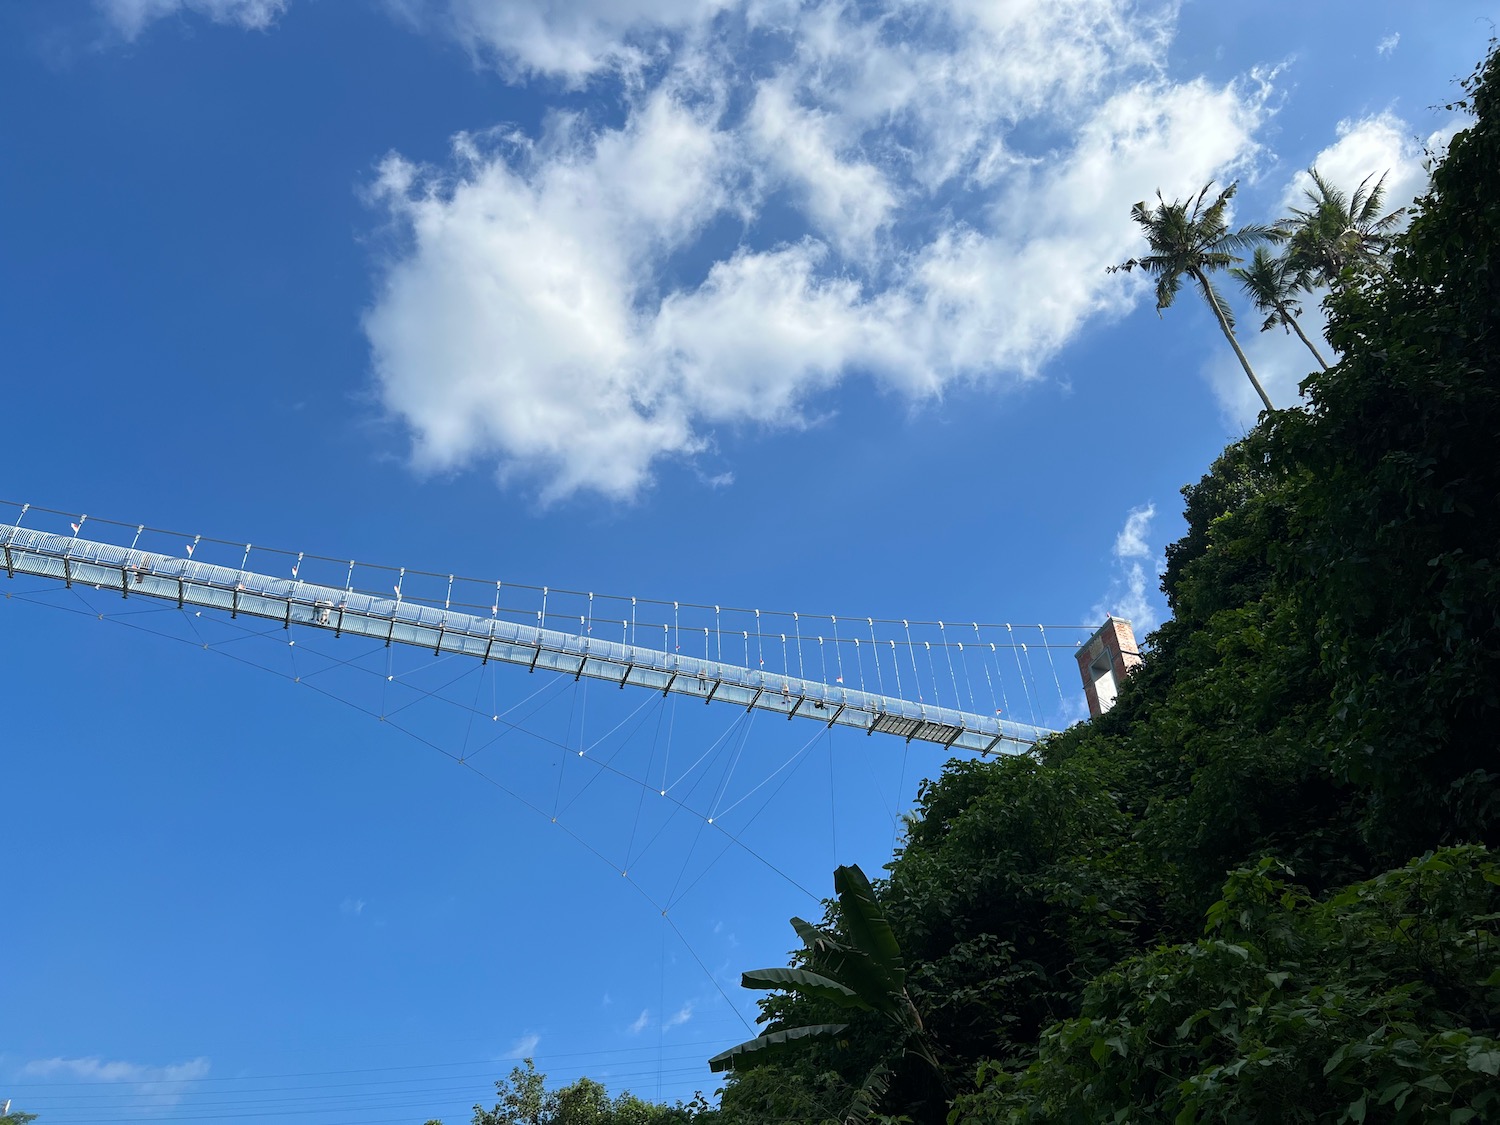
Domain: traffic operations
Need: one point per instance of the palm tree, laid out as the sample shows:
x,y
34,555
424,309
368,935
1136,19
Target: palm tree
x,y
867,974
1272,283
1189,240
1339,231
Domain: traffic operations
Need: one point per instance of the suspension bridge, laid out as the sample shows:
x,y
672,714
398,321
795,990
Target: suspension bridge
x,y
929,681
708,815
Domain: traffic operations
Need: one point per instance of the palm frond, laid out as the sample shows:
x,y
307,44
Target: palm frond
x,y
1167,289
868,1097
1247,237
1339,231
1191,238
1270,286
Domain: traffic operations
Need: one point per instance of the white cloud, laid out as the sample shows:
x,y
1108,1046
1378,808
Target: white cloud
x,y
641,1022
511,326
524,1047
164,1085
924,195
1388,44
567,39
1369,147
681,1016
352,906
1131,595
131,17
1131,542
846,201
1132,600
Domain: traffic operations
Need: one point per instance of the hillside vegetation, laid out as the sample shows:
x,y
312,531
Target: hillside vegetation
x,y
1258,889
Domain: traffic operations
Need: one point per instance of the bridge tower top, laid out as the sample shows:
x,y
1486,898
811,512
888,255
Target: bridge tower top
x,y
1104,660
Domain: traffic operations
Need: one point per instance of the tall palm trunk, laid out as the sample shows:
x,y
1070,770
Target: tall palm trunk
x,y
1208,295
1288,318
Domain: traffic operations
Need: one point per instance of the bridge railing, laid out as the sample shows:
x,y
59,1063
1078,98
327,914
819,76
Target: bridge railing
x,y
800,665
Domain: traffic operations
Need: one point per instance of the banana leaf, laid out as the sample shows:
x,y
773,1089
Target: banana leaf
x,y
771,1044
805,983
868,926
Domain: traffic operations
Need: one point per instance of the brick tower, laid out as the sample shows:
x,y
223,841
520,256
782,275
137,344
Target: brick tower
x,y
1105,660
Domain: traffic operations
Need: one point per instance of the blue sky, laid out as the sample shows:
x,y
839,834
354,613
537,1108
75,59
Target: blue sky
x,y
753,302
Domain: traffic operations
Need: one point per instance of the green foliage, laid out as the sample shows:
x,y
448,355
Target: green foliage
x,y
1399,536
1338,232
524,1099
1378,1004
772,1043
16,1117
1272,283
521,1099
863,971
1004,906
791,1091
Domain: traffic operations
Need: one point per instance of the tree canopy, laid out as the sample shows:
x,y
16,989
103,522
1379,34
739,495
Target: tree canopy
x,y
1339,230
1189,240
523,1098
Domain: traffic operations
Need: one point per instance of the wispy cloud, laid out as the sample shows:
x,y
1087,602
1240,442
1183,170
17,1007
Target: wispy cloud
x,y
1388,44
927,195
641,1022
1131,594
352,906
131,17
524,1047
567,40
681,1016
163,1086
1381,144
1131,542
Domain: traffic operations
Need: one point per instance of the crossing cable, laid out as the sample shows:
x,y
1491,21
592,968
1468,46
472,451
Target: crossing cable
x,y
1062,703
424,741
1022,672
640,803
916,676
793,763
732,840
948,652
648,701
1031,670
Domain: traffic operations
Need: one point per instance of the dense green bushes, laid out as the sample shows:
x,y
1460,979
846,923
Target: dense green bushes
x,y
1291,1010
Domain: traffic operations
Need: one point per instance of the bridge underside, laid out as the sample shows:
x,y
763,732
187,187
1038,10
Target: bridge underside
x,y
135,573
